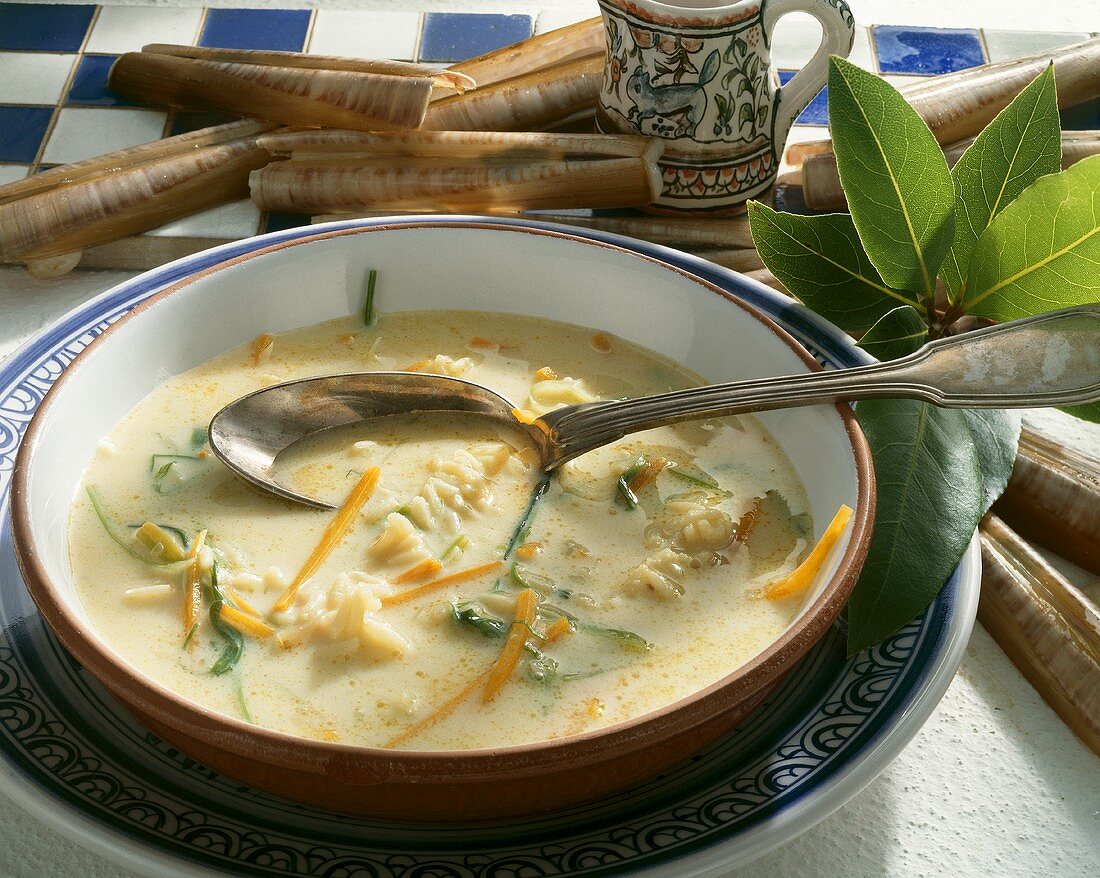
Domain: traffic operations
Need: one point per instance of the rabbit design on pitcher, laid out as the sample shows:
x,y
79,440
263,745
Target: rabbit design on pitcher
x,y
682,106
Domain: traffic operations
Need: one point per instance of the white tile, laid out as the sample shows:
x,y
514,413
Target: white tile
x,y
85,133
240,219
552,19
1005,44
11,173
121,29
797,36
365,34
33,77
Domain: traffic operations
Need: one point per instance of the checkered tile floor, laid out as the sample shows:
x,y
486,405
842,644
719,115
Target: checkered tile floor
x,y
55,106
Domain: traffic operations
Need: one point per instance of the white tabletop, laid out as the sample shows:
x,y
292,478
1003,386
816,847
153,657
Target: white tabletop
x,y
994,784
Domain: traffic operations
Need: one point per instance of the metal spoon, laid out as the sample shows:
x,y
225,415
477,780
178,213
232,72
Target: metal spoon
x,y
1050,360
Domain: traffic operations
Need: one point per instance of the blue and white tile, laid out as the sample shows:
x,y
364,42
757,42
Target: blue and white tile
x,y
11,173
85,132
1003,45
89,85
456,36
33,77
239,219
926,51
817,111
44,27
119,29
22,130
365,34
282,30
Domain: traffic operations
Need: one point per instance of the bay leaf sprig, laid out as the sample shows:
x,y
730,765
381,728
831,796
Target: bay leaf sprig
x,y
927,252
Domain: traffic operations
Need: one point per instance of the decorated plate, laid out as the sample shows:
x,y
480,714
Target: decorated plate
x,y
77,761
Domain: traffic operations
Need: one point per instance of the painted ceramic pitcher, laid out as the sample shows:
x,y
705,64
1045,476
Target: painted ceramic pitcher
x,y
699,75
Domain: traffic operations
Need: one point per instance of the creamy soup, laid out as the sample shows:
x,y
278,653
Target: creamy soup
x,y
457,605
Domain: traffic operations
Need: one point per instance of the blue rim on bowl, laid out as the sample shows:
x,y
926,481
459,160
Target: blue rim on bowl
x,y
935,643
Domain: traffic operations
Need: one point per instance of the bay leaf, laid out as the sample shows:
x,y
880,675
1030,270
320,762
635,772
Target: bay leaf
x,y
1022,144
899,332
1042,252
821,260
929,503
996,435
895,178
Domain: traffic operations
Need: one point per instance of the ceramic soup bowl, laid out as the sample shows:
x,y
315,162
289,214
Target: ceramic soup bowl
x,y
432,263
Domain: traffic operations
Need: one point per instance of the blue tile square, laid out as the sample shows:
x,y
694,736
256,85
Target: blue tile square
x,y
44,27
89,86
817,110
278,221
276,29
927,51
456,36
21,132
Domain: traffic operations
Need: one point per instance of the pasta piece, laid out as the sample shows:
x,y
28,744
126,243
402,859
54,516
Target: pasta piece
x,y
345,611
554,393
696,528
400,544
441,364
660,575
456,489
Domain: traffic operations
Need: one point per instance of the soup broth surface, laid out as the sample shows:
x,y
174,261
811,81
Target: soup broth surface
x,y
645,560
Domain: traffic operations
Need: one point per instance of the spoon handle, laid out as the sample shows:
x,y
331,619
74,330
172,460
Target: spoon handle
x,y
1052,359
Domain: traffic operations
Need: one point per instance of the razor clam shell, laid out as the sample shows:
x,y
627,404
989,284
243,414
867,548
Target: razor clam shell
x,y
1046,626
456,144
1053,498
687,232
331,98
742,259
122,159
584,39
821,182
959,105
445,78
523,103
426,183
103,208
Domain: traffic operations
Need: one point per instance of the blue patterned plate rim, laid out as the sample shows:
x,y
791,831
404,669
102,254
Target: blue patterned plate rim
x,y
825,752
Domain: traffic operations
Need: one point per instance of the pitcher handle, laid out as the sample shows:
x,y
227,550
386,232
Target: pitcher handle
x,y
838,33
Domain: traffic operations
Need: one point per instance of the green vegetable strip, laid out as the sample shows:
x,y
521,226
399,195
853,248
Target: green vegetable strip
x,y
694,475
242,704
124,539
234,640
460,544
519,535
199,438
368,306
625,492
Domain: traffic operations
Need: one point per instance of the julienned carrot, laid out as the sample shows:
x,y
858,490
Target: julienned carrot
x,y
427,567
240,602
450,579
440,713
261,347
192,584
332,535
804,574
648,475
526,606
557,630
245,623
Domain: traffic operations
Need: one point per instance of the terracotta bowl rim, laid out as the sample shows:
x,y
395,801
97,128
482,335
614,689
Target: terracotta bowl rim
x,y
131,685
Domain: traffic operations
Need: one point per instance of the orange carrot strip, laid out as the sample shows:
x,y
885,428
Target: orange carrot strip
x,y
648,475
601,342
332,535
192,584
245,623
241,602
804,574
524,416
261,347
450,579
546,374
427,567
526,605
440,713
557,630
